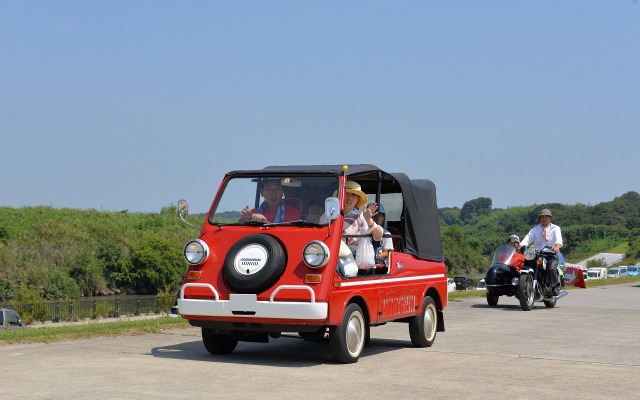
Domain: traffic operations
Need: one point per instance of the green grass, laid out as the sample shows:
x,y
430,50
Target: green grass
x,y
93,329
607,282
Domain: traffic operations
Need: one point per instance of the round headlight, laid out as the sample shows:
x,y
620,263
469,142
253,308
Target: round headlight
x,y
529,254
196,252
316,254
515,281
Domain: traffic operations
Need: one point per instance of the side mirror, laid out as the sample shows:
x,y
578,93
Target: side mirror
x,y
183,212
183,209
331,207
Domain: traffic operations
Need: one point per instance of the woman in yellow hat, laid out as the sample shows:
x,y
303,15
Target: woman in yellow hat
x,y
360,222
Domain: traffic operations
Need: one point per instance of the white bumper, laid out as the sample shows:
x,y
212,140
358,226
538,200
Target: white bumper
x,y
247,305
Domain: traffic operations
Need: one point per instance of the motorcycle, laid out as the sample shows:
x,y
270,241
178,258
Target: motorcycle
x,y
528,283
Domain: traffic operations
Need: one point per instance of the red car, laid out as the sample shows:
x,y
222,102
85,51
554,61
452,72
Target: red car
x,y
251,280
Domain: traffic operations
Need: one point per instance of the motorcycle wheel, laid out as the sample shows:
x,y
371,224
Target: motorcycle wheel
x,y
492,299
525,292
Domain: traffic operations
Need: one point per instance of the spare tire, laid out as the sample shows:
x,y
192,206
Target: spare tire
x,y
254,264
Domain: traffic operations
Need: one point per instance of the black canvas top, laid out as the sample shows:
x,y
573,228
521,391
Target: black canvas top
x,y
421,224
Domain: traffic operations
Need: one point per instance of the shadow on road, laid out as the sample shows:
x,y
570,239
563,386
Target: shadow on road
x,y
286,351
508,307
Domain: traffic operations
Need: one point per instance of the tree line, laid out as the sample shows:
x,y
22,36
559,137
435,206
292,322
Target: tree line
x,y
471,233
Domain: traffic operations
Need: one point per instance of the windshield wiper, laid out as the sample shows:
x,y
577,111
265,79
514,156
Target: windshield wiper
x,y
257,223
299,222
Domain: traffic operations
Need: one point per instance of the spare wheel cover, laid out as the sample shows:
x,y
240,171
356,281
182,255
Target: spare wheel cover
x,y
254,264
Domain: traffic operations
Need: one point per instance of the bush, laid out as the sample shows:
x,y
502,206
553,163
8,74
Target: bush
x,y
155,263
7,291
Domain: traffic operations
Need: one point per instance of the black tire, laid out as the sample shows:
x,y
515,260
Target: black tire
x,y
551,302
259,279
423,327
492,299
525,292
218,344
347,339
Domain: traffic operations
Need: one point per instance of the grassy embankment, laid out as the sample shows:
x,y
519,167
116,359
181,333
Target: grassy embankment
x,y
92,329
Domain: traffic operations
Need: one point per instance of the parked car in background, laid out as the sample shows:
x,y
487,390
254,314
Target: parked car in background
x,y
451,285
481,285
597,273
633,270
9,319
464,283
617,272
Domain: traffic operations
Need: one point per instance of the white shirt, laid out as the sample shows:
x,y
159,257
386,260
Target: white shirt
x,y
554,236
387,242
354,224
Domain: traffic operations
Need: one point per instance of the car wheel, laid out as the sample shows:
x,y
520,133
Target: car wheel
x,y
492,299
254,264
422,328
347,339
218,344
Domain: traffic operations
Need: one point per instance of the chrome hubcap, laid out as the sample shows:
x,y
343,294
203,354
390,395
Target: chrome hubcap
x,y
429,322
355,333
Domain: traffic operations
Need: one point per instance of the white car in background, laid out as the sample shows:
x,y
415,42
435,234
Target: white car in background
x,y
451,285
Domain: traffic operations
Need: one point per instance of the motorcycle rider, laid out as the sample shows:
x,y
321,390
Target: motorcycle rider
x,y
547,234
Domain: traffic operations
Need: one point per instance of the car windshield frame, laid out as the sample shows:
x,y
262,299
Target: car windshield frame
x,y
298,191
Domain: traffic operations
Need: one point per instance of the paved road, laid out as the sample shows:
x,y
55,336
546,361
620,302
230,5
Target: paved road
x,y
585,348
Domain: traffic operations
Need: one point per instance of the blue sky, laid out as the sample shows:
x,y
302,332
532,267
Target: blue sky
x,y
121,105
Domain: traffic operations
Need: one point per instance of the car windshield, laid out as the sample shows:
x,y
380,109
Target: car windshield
x,y
290,200
632,269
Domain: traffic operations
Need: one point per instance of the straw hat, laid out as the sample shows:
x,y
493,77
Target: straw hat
x,y
353,187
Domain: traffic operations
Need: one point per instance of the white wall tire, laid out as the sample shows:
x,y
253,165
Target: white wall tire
x,y
347,339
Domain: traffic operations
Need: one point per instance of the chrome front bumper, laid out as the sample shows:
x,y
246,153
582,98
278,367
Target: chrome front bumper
x,y
248,306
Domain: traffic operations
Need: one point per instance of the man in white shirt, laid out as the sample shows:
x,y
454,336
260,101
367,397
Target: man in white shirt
x,y
546,234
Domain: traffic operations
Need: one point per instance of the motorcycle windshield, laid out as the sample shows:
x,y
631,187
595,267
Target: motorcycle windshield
x,y
503,254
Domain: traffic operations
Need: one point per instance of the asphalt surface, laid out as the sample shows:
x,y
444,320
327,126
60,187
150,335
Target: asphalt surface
x,y
585,348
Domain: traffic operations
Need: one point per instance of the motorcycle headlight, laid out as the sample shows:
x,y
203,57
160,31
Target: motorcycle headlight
x,y
529,254
315,254
196,252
